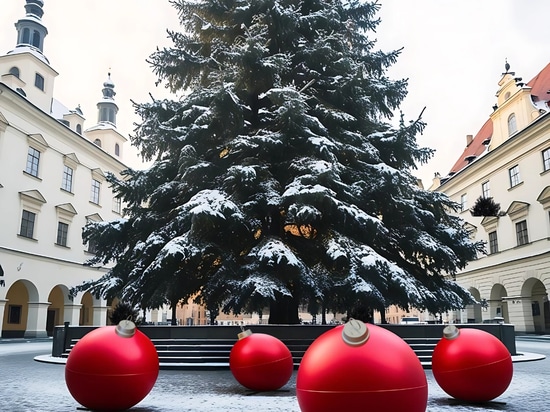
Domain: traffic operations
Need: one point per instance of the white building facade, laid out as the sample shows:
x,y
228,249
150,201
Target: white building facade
x,y
508,160
52,181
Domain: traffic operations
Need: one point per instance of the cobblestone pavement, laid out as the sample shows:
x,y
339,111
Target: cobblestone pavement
x,y
30,386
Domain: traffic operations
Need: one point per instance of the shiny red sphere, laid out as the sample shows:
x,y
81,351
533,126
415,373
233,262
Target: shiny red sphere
x,y
109,372
473,366
382,374
261,362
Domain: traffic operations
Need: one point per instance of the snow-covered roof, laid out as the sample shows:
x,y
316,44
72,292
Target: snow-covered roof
x,y
29,49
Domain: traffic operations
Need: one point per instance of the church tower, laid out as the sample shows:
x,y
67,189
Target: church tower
x,y
25,68
105,134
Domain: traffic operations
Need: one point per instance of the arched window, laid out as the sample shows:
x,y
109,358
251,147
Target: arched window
x,y
97,142
79,129
512,126
15,71
36,39
26,36
117,149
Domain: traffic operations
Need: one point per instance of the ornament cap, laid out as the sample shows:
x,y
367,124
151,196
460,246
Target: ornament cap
x,y
451,332
244,334
125,328
355,332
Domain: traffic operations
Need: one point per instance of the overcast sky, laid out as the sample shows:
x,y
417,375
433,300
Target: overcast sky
x,y
453,55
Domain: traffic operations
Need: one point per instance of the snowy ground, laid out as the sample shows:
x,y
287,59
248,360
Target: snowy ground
x,y
27,385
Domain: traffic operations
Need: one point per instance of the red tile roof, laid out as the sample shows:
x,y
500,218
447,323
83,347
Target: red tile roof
x,y
476,148
540,86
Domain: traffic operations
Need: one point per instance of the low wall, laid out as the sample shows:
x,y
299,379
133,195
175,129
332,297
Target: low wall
x,y
63,335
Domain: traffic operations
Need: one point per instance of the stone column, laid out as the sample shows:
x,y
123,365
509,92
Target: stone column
x,y
520,315
3,303
36,320
71,314
99,315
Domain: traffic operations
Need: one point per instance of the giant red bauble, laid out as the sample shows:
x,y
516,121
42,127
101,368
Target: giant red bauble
x,y
112,368
471,365
359,367
260,362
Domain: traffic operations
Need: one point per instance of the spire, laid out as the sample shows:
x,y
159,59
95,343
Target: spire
x,y
107,106
507,68
30,30
108,88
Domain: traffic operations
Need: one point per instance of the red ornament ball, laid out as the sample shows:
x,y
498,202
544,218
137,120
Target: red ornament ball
x,y
355,367
260,362
471,365
112,368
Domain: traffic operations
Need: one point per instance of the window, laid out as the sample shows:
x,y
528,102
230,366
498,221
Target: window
x,y
62,232
512,126
514,176
27,224
107,114
67,182
36,39
493,242
79,129
15,71
26,36
117,205
39,81
117,149
521,233
14,314
92,246
485,190
463,202
97,142
33,160
94,195
546,160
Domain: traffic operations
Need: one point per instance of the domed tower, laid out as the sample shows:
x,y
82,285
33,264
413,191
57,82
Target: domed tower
x,y
106,106
30,30
105,134
25,68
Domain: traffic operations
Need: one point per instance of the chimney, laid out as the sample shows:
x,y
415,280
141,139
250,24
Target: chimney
x,y
469,138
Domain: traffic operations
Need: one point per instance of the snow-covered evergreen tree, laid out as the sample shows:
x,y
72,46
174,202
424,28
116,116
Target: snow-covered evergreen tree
x,y
278,179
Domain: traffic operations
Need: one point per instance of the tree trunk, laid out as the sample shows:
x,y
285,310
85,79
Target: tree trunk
x,y
383,315
174,320
284,311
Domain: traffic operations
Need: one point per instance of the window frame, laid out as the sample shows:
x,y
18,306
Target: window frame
x,y
512,124
545,159
32,166
486,190
493,242
62,234
67,179
463,202
26,228
117,205
522,234
39,81
95,191
514,176
15,311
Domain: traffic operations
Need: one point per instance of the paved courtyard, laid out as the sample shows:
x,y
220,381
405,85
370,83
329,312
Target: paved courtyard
x,y
27,385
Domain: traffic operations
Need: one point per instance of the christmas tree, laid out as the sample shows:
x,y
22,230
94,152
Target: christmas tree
x,y
278,179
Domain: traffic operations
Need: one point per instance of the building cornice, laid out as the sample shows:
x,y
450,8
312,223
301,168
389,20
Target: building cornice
x,y
57,128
